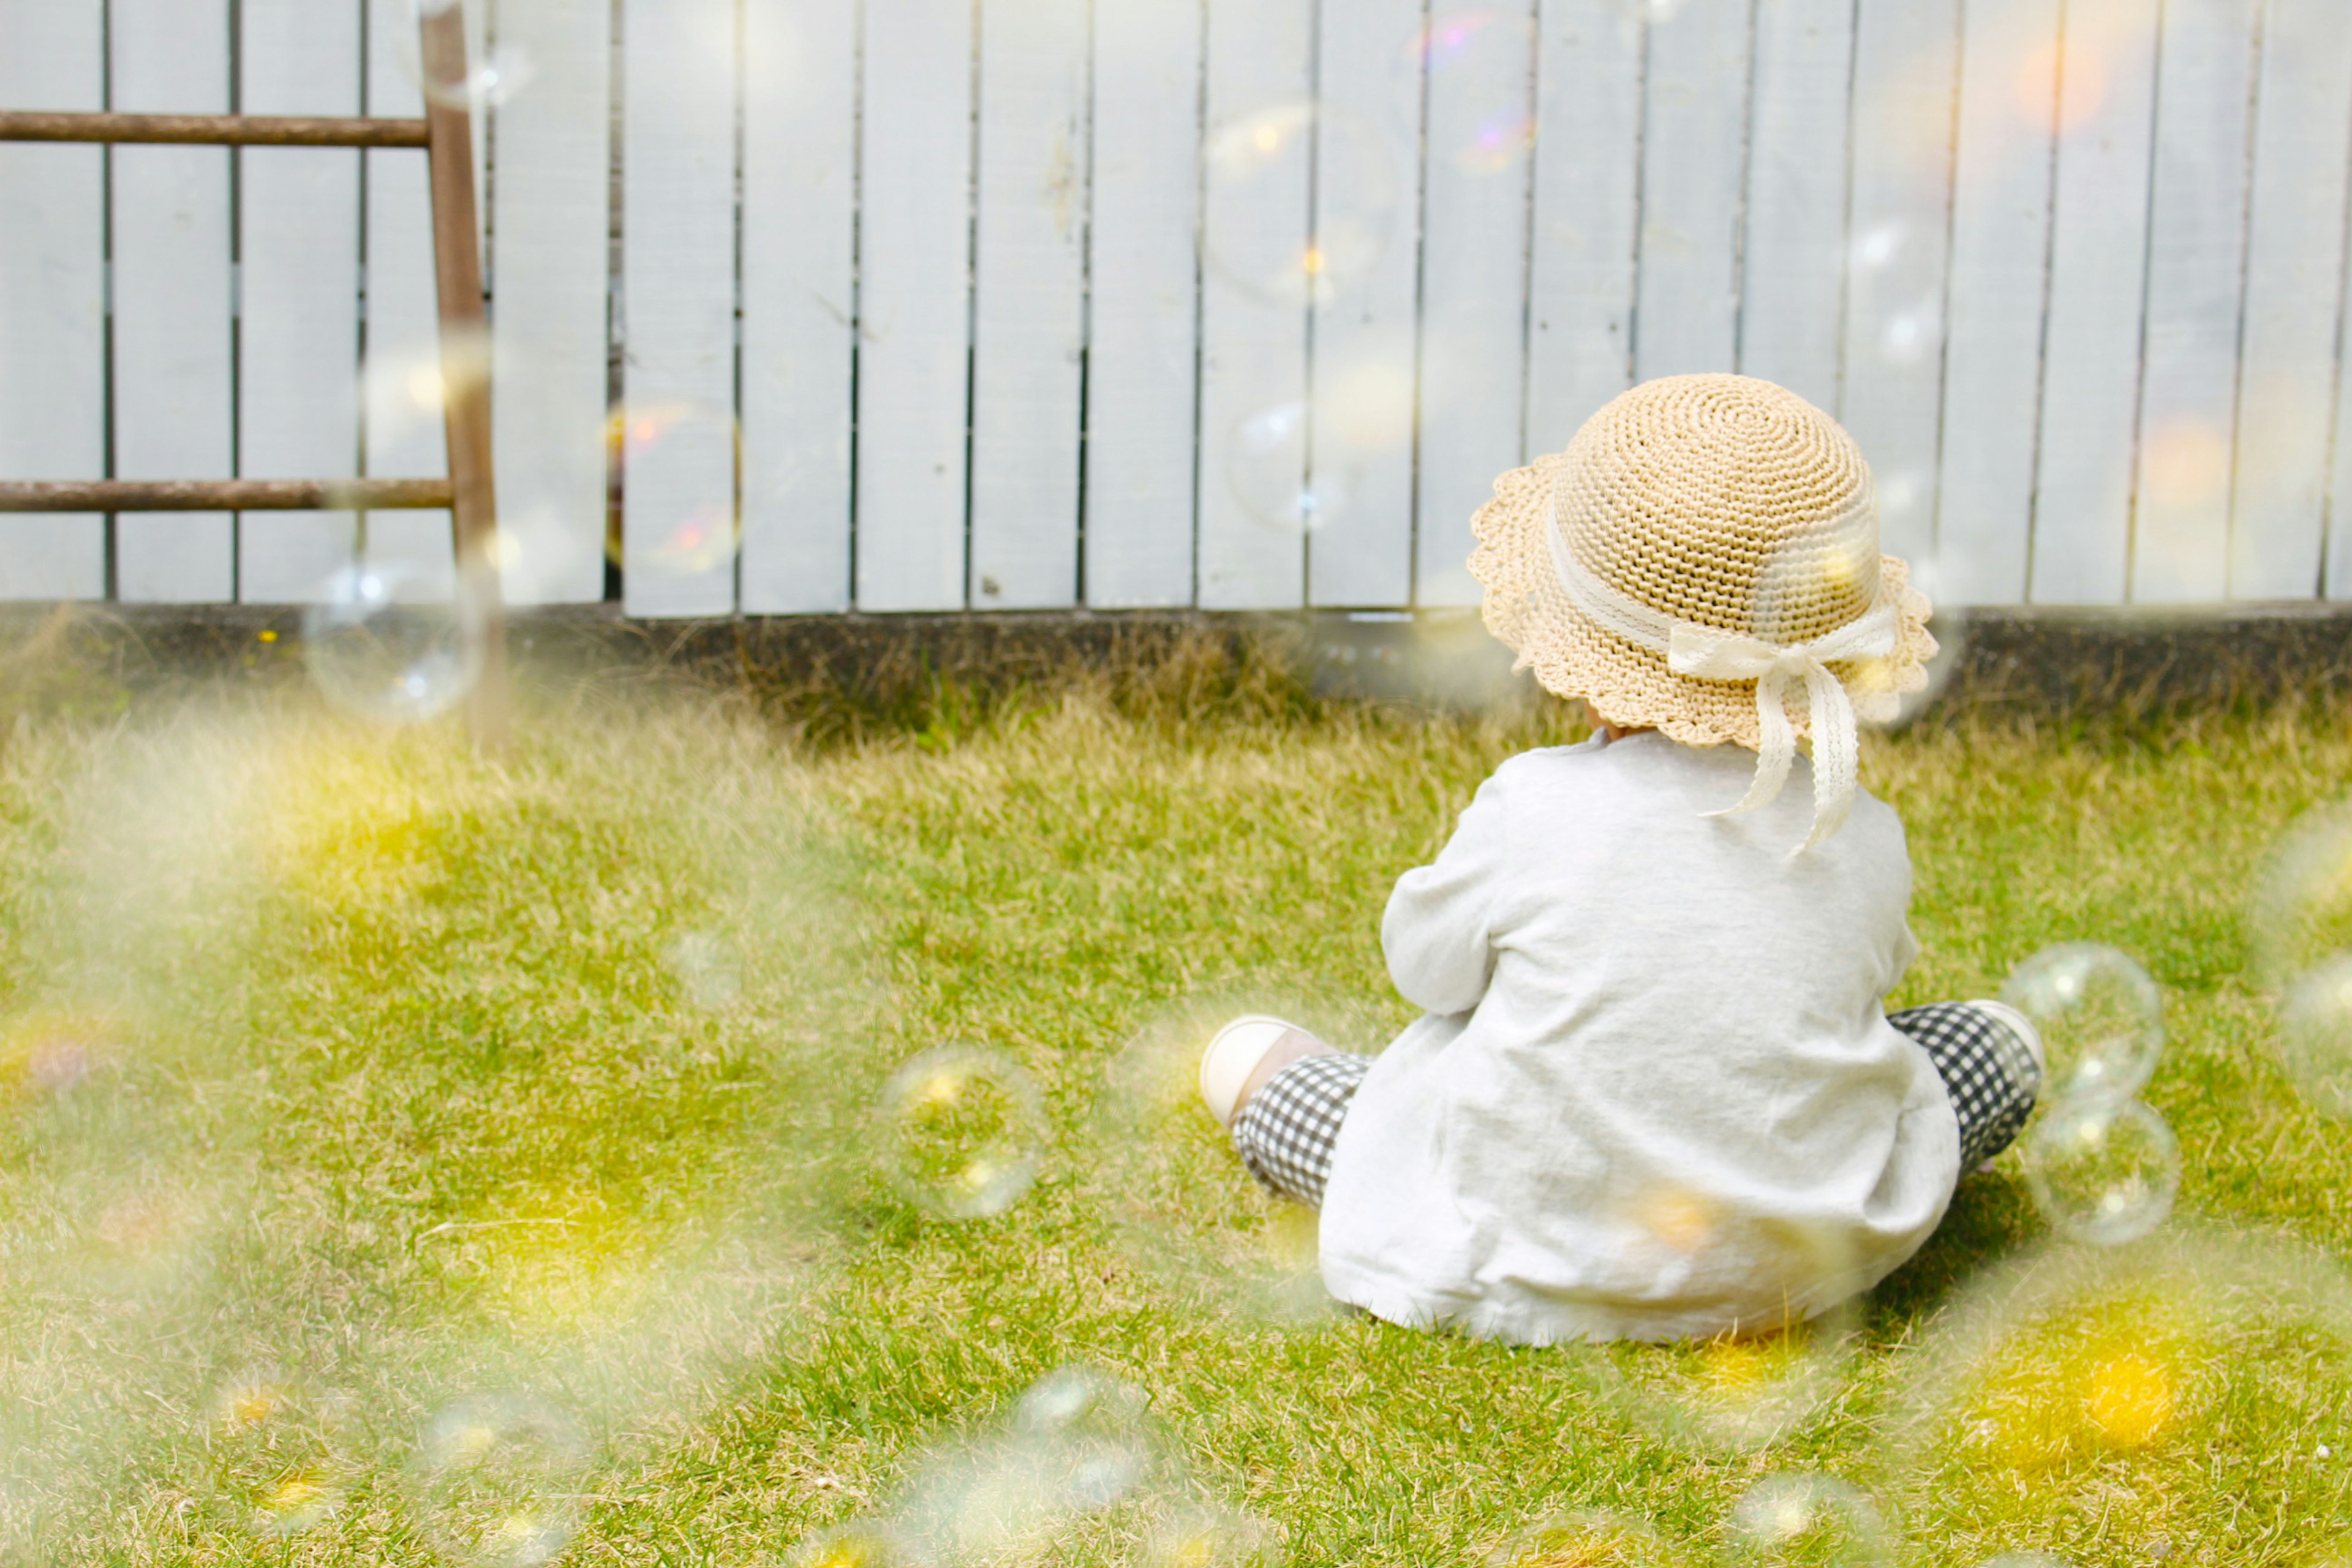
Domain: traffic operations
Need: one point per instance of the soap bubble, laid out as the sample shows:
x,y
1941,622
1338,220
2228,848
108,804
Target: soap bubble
x,y
707,968
963,1131
2100,1016
497,1479
2301,914
2315,1034
1792,1519
1482,109
386,643
1215,1538
1267,464
1584,1540
494,73
1260,165
2104,1169
275,1455
862,1544
665,533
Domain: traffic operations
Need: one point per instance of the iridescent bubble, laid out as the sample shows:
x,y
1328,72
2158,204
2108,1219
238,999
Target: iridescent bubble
x,y
276,1456
2104,1169
1583,1539
2315,1034
666,534
2100,1016
1279,481
1817,1521
1266,163
1479,65
963,1132
707,966
388,643
497,1479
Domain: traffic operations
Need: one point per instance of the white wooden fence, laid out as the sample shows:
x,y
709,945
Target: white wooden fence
x,y
1034,303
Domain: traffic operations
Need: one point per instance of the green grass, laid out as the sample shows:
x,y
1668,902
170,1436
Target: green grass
x,y
348,1076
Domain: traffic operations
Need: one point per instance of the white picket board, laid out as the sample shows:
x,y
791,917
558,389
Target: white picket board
x,y
173,379
400,384
1992,356
1029,305
2295,281
677,279
1473,290
1891,388
298,339
914,294
2197,235
1792,275
1586,191
550,205
800,296
1694,135
2098,264
1143,276
1364,375
1260,61
52,281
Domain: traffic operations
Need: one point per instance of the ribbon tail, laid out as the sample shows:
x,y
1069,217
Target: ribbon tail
x,y
1836,754
1777,748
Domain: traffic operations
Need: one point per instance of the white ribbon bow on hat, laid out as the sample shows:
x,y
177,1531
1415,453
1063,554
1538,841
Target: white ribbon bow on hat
x,y
1710,654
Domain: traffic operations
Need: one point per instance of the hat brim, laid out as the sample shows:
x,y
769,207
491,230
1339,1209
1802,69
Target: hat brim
x,y
1629,686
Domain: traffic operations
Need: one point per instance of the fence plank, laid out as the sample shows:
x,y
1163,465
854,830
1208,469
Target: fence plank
x,y
173,382
1372,58
1475,288
2098,250
551,267
1891,381
1587,193
52,333
1992,358
1792,281
677,273
2294,280
915,276
297,340
1260,60
2188,376
799,194
1695,123
1142,368
400,385
1029,308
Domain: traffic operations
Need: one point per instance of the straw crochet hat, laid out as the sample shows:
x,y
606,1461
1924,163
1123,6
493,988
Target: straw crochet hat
x,y
1704,559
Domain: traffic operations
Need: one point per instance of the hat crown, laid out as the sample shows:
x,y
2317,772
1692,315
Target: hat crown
x,y
1726,501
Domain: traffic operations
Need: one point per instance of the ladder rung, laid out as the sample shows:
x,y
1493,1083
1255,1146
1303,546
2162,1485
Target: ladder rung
x,y
211,129
223,495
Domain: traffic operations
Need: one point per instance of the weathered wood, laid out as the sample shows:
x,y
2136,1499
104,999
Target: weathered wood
x,y
213,130
219,495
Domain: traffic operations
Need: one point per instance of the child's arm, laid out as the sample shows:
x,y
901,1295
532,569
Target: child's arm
x,y
1438,932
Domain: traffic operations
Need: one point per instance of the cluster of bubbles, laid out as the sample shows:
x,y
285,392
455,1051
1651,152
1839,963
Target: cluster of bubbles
x,y
2102,1166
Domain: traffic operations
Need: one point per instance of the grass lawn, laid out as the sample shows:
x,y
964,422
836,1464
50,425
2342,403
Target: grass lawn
x,y
413,1159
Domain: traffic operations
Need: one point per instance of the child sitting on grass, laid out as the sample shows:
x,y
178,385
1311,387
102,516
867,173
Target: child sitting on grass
x,y
1655,1093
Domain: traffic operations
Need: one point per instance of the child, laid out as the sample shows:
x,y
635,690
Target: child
x,y
1655,1094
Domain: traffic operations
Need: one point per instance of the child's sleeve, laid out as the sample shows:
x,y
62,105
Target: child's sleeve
x,y
1438,932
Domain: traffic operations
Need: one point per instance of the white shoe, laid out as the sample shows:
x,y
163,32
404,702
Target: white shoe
x,y
1233,1055
2022,1026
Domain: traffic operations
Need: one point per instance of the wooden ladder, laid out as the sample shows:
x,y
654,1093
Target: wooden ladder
x,y
446,133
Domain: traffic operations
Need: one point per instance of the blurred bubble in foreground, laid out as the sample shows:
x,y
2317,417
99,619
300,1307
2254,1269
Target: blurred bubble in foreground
x,y
2315,1034
387,644
963,1132
707,968
678,474
2101,1018
275,1457
1267,162
1585,1540
1817,1521
1279,479
495,72
2104,1169
1215,1538
2300,916
1478,63
496,1480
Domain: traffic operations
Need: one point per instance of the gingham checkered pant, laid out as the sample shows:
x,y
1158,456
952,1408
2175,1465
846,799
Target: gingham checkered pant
x,y
1286,1131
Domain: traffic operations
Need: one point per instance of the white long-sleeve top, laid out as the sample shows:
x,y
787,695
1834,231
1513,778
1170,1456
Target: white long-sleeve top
x,y
1655,1094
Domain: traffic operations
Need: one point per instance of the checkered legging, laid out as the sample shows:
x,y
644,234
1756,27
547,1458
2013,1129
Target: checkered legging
x,y
1286,1131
